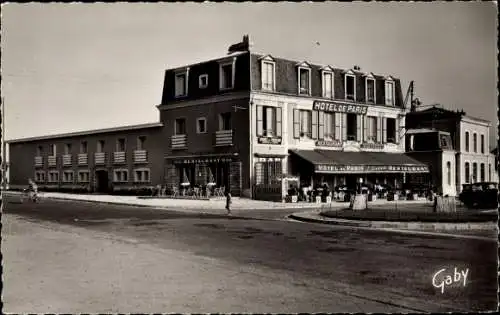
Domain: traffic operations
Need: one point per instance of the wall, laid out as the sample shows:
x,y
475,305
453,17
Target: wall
x,y
448,189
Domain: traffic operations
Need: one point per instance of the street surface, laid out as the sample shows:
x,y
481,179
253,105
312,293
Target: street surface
x,y
76,257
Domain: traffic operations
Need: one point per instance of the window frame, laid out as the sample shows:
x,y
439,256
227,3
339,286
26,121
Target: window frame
x,y
39,174
39,150
390,82
53,150
308,69
372,78
222,64
80,172
387,130
221,121
467,141
204,119
324,72
99,147
175,126
84,144
200,81
142,141
273,65
143,171
350,74
121,171
448,172
482,144
309,114
64,179
467,172
348,126
50,177
185,73
118,145
372,121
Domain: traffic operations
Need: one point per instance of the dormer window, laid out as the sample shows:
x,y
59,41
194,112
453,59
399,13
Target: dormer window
x,y
370,89
304,73
226,74
327,82
181,80
268,74
203,81
350,86
389,92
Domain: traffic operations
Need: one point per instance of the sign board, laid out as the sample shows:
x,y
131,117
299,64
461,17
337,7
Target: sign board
x,y
332,107
324,168
329,143
269,140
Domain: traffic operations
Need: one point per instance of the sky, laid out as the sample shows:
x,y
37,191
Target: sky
x,y
74,67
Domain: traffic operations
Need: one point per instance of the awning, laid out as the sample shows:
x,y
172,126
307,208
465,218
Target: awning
x,y
340,162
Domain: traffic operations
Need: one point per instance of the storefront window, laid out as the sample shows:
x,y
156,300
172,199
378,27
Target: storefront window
x,y
268,172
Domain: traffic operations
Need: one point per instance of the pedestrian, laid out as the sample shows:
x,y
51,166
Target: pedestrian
x,y
228,201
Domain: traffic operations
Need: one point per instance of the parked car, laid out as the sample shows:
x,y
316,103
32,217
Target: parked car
x,y
480,195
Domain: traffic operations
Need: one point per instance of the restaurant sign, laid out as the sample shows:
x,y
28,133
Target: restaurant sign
x,y
339,108
329,143
269,140
203,160
324,168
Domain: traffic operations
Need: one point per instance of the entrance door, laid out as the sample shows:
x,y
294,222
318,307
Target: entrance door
x,y
102,181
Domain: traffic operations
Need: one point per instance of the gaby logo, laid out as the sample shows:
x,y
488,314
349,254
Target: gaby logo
x,y
441,279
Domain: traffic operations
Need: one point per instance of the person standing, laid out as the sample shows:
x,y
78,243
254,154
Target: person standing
x,y
228,201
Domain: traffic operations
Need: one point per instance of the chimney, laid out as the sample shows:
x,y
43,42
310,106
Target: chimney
x,y
241,46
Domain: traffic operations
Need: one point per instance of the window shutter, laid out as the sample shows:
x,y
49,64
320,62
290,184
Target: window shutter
x,y
338,134
379,129
365,131
321,129
278,121
296,124
396,132
259,120
314,124
384,129
359,127
344,127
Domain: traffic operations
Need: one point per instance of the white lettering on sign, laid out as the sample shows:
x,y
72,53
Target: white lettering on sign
x,y
334,107
441,279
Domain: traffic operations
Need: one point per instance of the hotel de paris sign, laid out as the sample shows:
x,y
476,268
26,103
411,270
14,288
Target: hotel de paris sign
x,y
323,168
339,108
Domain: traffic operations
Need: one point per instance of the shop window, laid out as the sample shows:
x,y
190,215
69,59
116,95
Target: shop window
x,y
483,172
328,84
225,121
268,81
467,141
350,87
201,125
448,172
371,129
120,145
467,173
100,146
120,176
352,127
391,130
180,126
226,76
268,172
269,121
304,81
181,84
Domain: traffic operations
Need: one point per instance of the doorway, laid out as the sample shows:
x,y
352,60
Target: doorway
x,y
102,181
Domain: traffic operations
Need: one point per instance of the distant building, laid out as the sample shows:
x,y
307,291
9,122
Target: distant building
x,y
247,122
470,142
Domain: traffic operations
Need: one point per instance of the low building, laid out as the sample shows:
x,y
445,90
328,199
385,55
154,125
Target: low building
x,y
470,141
247,122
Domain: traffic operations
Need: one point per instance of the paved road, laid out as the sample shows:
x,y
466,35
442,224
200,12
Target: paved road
x,y
389,271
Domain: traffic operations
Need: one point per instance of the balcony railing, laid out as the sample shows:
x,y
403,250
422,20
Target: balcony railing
x,y
179,142
118,157
38,161
66,159
99,158
51,160
140,156
83,159
223,138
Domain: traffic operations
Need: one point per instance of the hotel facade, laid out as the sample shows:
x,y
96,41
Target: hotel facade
x,y
253,123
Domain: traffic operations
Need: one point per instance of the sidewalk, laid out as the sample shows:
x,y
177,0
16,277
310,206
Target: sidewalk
x,y
213,204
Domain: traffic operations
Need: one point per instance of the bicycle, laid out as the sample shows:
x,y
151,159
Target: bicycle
x,y
29,195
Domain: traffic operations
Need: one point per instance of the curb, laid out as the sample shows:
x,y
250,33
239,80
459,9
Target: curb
x,y
418,226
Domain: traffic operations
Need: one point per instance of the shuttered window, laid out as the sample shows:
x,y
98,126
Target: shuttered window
x,y
296,123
